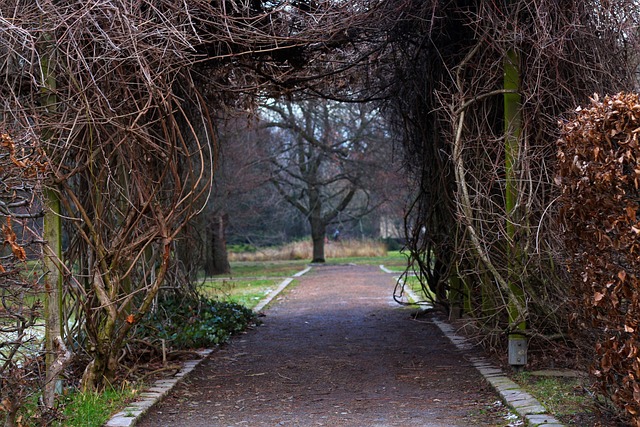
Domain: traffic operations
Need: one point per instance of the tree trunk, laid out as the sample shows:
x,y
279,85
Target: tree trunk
x,y
440,283
100,372
457,295
217,261
11,407
318,248
318,224
318,236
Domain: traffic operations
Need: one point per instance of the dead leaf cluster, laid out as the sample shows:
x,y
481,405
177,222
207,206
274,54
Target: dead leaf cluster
x,y
599,175
21,168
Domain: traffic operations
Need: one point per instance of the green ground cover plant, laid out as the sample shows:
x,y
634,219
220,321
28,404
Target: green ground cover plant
x,y
195,321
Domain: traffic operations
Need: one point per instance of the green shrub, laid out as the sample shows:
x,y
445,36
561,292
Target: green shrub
x,y
393,244
239,248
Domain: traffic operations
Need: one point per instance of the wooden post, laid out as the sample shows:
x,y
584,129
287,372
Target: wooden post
x,y
53,288
512,135
52,252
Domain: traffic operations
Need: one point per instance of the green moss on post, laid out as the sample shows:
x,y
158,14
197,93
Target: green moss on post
x,y
512,132
468,301
487,303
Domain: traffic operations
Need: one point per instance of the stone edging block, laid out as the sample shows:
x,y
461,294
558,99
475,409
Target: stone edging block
x,y
525,405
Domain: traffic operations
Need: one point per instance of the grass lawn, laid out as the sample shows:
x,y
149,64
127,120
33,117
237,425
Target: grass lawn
x,y
263,269
394,260
83,409
247,292
564,397
94,409
414,284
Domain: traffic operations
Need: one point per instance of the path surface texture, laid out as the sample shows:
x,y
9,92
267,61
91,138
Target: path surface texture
x,y
334,350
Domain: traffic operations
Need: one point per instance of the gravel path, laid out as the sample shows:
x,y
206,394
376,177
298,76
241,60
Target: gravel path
x,y
335,350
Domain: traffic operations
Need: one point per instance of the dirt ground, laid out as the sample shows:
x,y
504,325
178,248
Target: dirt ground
x,y
335,350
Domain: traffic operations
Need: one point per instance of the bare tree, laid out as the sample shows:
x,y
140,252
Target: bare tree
x,y
241,173
323,155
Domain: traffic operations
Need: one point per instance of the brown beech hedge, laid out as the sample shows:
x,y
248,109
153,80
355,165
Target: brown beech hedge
x,y
599,175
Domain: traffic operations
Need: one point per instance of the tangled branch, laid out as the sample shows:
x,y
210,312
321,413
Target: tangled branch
x,y
451,115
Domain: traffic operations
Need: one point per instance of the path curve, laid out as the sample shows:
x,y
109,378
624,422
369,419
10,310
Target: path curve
x,y
335,350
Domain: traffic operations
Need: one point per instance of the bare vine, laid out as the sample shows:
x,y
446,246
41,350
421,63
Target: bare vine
x,y
451,116
121,97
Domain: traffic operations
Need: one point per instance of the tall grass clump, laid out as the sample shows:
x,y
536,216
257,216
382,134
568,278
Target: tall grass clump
x,y
304,250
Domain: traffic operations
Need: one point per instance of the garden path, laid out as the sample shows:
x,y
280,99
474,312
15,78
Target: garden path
x,y
334,350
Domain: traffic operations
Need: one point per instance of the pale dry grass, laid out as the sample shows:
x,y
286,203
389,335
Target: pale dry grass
x,y
304,250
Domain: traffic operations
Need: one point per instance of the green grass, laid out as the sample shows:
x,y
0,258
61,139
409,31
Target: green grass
x,y
563,397
245,292
94,409
413,284
83,409
416,287
394,260
240,269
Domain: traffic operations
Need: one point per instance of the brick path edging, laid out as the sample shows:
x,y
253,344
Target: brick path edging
x,y
525,405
